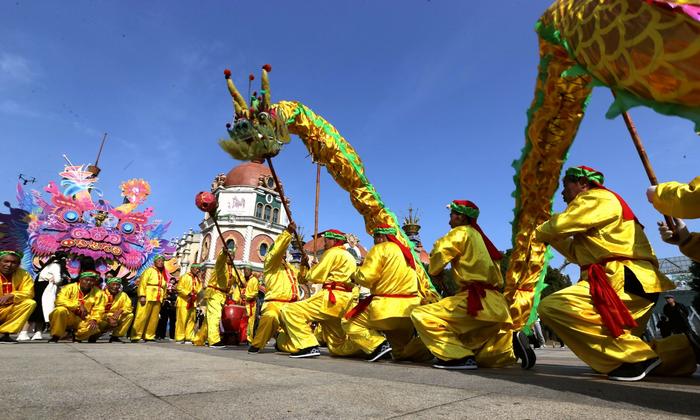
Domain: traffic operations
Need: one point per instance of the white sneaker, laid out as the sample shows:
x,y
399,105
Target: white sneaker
x,y
37,336
23,336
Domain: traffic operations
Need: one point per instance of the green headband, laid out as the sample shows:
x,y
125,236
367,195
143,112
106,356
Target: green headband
x,y
114,280
465,210
196,266
10,252
384,231
88,274
333,235
585,172
159,257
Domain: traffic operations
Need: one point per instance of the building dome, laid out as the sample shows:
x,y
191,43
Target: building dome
x,y
247,174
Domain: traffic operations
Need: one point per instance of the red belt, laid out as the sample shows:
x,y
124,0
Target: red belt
x,y
191,300
476,290
364,303
606,301
335,286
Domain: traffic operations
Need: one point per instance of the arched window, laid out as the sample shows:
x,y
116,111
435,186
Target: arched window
x,y
268,213
263,249
231,245
275,215
259,211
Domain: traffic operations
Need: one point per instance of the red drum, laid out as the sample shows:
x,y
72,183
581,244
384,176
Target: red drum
x,y
231,318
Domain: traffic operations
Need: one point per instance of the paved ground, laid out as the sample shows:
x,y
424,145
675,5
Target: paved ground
x,y
171,380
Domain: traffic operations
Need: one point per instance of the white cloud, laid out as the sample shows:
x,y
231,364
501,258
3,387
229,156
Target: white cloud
x,y
14,69
10,107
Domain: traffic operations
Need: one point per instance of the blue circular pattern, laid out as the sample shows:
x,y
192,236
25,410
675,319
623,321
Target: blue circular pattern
x,y
127,227
71,216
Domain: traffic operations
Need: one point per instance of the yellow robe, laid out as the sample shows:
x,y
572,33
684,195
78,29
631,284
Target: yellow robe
x,y
678,200
68,302
121,305
221,284
445,327
683,201
188,286
336,266
281,288
153,286
385,272
14,315
590,230
251,296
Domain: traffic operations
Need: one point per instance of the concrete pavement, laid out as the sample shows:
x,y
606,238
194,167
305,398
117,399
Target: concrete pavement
x,y
168,380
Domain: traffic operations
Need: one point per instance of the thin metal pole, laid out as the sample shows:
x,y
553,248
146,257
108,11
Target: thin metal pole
x,y
318,194
280,191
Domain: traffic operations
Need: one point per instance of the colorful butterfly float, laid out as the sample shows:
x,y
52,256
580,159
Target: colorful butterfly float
x,y
78,221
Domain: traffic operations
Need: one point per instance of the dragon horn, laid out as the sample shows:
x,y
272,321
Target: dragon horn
x,y
265,88
238,102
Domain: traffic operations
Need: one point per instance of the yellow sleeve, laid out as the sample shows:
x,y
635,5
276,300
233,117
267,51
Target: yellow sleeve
x,y
277,252
371,269
251,290
566,248
691,247
66,299
143,282
445,250
678,200
219,268
98,309
184,286
585,212
319,272
25,289
126,304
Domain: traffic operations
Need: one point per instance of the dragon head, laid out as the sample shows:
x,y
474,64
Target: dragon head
x,y
258,130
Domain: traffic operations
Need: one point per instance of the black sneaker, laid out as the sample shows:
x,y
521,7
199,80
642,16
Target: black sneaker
x,y
467,363
307,352
631,372
93,338
253,350
383,351
523,351
6,339
135,340
54,339
113,339
219,345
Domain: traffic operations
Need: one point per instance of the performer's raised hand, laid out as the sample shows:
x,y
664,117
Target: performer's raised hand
x,y
292,227
668,235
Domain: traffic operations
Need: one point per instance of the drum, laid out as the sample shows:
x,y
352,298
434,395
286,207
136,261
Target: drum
x,y
231,316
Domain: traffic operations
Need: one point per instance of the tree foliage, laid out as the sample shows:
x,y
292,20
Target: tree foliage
x,y
695,284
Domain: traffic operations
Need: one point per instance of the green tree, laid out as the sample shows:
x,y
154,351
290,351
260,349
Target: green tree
x,y
555,280
695,284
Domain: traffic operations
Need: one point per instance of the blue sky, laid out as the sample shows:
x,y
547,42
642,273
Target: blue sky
x,y
432,95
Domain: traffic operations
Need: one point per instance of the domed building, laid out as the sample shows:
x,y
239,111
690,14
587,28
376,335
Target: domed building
x,y
250,216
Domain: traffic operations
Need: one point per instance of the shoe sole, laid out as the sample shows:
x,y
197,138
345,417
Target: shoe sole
x,y
467,367
638,377
217,347
525,353
302,356
379,356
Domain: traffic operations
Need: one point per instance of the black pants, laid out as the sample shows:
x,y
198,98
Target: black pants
x,y
167,313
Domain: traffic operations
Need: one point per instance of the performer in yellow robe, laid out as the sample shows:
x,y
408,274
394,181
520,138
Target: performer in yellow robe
x,y
326,307
16,303
251,298
152,289
222,283
389,272
473,327
602,316
281,289
80,307
681,201
118,313
188,286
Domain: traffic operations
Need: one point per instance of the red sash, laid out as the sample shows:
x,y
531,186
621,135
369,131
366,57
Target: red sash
x,y
476,291
606,301
334,285
6,285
